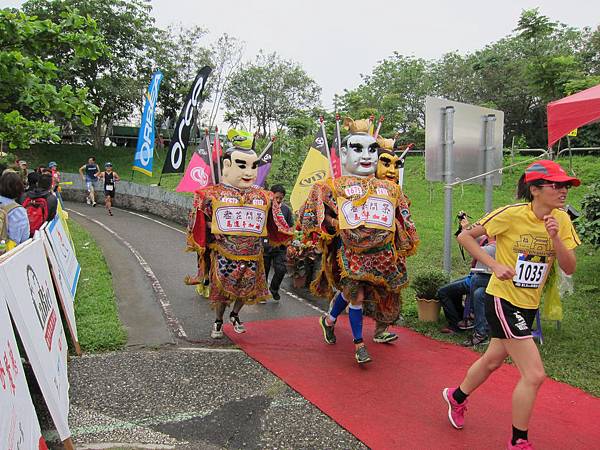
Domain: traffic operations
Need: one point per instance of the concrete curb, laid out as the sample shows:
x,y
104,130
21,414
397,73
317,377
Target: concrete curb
x,y
136,197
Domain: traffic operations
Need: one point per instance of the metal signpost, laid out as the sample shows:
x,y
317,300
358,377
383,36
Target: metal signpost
x,y
462,142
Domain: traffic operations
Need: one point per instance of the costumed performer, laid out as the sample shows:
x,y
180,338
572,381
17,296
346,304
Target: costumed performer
x,y
388,168
231,220
362,233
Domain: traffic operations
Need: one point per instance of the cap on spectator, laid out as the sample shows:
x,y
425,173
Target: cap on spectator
x,y
22,162
108,164
52,164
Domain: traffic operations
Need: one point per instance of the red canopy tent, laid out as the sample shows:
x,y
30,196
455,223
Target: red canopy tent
x,y
571,112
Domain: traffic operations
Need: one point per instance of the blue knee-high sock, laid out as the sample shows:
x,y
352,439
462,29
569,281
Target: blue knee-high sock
x,y
356,322
339,304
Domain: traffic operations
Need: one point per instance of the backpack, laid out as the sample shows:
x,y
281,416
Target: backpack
x,y
4,210
37,213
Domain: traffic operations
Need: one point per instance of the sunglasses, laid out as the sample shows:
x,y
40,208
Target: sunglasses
x,y
558,185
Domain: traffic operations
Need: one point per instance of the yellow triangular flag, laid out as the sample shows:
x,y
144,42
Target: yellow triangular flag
x,y
315,168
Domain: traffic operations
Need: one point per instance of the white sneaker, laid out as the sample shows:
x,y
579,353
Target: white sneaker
x,y
217,330
238,326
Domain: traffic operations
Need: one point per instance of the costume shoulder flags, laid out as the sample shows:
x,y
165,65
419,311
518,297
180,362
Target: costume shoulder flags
x,y
144,154
264,163
198,173
175,160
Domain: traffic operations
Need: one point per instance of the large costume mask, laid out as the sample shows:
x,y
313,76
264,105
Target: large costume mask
x,y
388,165
240,167
359,150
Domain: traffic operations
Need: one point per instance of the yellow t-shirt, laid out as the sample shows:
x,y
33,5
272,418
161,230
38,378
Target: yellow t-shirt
x,y
523,243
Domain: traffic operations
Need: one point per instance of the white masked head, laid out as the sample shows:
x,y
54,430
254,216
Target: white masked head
x,y
359,155
240,167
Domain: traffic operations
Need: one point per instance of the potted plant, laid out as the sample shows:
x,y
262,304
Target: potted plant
x,y
300,254
426,285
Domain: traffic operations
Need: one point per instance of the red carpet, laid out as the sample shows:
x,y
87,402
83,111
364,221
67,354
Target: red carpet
x,y
395,402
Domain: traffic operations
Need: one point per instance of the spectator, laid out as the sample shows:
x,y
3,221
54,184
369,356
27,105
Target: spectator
x,y
480,277
55,175
276,255
44,190
22,170
32,180
451,297
90,177
11,188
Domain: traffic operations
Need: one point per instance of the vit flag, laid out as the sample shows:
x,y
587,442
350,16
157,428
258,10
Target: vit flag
x,y
315,168
144,154
19,426
26,283
175,160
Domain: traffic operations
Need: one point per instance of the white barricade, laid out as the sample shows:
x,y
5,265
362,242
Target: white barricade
x,y
19,426
58,237
27,286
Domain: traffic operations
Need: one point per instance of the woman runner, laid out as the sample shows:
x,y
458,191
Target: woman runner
x,y
110,178
529,238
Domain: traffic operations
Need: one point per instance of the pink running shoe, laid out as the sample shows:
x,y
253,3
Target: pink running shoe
x,y
521,444
456,411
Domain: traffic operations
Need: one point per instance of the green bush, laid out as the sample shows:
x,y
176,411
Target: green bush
x,y
588,225
427,283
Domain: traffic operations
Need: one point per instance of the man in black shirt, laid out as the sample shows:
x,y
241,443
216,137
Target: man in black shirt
x,y
276,255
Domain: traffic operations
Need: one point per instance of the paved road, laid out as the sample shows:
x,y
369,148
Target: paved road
x,y
174,387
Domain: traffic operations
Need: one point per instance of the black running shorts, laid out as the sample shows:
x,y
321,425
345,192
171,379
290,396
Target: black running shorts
x,y
506,320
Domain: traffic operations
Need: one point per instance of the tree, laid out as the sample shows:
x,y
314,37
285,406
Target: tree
x,y
269,91
117,79
396,89
226,55
32,101
179,54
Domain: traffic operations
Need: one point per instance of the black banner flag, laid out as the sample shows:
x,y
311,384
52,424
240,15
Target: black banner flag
x,y
175,160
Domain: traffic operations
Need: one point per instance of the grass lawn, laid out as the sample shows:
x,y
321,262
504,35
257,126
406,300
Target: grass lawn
x,y
98,324
71,157
571,354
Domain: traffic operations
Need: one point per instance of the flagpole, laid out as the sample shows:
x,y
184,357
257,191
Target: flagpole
x,y
406,151
331,172
378,127
218,156
209,150
338,134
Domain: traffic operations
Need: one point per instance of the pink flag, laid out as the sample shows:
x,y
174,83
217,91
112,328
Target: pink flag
x,y
197,175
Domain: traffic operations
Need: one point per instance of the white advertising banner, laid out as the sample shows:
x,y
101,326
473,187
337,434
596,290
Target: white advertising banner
x,y
19,426
62,286
27,285
64,252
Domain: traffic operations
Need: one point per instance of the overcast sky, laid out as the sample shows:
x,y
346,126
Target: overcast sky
x,y
336,41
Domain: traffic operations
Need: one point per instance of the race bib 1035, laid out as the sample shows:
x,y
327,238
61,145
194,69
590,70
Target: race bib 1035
x,y
530,271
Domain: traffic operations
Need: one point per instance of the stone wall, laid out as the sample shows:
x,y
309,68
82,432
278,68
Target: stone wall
x,y
136,197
